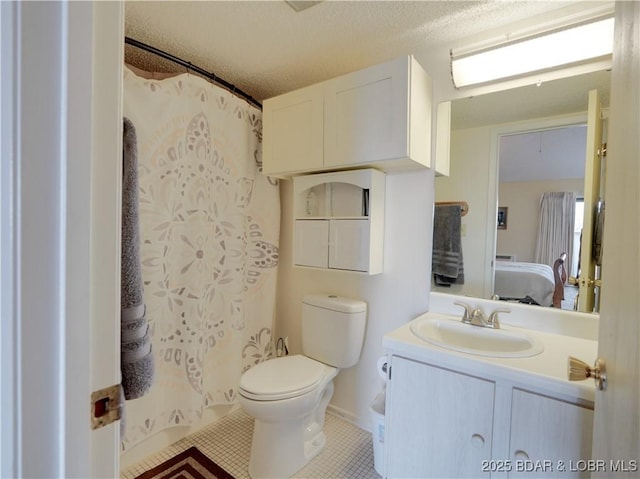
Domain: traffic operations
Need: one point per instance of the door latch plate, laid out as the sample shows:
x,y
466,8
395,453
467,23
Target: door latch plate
x,y
106,406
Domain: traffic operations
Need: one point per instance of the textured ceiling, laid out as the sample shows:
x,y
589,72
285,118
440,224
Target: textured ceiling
x,y
266,48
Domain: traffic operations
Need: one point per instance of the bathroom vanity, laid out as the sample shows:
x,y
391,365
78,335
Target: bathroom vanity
x,y
460,404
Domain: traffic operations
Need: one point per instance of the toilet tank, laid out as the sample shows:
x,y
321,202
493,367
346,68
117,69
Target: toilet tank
x,y
333,329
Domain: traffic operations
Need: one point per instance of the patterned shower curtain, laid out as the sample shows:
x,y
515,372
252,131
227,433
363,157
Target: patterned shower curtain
x,y
209,229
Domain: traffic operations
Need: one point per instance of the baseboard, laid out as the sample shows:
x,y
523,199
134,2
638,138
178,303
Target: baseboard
x,y
362,423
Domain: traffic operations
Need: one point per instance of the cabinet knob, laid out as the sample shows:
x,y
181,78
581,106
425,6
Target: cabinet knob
x,y
578,370
520,455
477,441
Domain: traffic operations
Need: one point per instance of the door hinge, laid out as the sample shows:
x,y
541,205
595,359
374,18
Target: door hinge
x,y
106,406
602,151
588,282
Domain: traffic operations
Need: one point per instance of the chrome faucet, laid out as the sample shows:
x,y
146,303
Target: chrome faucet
x,y
493,322
476,317
468,311
472,315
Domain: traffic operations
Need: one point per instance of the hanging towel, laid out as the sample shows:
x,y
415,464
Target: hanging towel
x,y
447,265
597,235
135,340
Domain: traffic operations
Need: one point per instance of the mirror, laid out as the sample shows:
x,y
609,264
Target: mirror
x,y
488,126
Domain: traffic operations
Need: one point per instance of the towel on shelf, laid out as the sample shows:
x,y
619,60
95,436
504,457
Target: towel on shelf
x,y
446,260
135,339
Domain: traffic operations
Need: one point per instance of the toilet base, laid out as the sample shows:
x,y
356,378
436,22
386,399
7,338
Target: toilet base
x,y
278,450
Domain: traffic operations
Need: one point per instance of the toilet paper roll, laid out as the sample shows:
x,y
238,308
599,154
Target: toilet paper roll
x,y
381,367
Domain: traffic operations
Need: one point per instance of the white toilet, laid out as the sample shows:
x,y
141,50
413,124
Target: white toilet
x,y
288,396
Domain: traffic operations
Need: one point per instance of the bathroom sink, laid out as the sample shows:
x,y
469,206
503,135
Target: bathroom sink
x,y
458,336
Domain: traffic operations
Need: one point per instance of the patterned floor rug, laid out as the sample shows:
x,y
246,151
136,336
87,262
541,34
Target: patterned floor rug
x,y
190,464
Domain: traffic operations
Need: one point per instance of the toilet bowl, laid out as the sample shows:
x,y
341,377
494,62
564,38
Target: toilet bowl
x,y
288,412
288,396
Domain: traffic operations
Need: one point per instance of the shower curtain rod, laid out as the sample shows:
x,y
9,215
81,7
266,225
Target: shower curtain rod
x,y
211,76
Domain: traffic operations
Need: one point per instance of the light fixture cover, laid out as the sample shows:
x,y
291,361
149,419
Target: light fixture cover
x,y
573,45
299,5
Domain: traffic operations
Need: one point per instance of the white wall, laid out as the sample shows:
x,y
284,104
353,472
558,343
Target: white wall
x,y
393,297
523,200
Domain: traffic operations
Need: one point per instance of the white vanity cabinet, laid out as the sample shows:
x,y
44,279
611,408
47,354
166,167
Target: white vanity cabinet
x,y
440,422
377,117
339,220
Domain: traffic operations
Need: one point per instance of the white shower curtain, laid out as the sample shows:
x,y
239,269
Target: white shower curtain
x,y
556,227
209,229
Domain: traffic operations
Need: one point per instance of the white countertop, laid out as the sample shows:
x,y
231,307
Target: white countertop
x,y
545,373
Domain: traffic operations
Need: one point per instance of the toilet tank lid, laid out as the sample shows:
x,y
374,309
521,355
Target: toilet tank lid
x,y
335,303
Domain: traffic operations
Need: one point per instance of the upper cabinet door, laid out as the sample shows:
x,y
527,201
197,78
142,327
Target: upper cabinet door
x,y
293,131
379,117
366,115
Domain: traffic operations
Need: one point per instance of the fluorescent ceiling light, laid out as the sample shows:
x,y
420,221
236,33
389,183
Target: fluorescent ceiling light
x,y
572,46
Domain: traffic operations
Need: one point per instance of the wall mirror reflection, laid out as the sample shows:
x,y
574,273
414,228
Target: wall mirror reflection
x,y
535,150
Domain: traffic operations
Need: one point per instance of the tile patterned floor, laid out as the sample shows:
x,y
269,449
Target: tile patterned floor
x,y
347,455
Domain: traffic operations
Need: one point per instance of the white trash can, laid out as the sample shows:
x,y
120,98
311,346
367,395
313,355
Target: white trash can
x,y
377,431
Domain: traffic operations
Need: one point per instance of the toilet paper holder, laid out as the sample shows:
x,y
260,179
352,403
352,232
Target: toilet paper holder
x,y
382,367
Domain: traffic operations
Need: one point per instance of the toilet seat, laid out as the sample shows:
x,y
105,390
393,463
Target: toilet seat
x,y
282,378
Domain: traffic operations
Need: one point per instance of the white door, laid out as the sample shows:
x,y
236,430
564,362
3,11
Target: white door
x,y
61,143
617,409
586,296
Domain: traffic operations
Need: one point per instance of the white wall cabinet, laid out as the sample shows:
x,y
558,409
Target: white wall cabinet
x,y
445,423
339,220
378,117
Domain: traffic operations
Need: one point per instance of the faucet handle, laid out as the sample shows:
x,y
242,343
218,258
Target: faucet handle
x,y
493,317
468,310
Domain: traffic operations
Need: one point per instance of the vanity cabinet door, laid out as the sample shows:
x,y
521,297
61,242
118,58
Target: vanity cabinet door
x,y
293,139
549,435
439,422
